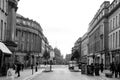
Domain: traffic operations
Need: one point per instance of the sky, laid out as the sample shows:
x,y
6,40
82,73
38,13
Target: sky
x,y
62,21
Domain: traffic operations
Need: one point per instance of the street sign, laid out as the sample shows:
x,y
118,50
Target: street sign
x,y
52,55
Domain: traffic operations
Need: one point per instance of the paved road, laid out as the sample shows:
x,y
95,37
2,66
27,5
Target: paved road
x,y
62,73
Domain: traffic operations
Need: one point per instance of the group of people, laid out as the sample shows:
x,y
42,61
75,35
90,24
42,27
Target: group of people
x,y
95,68
115,69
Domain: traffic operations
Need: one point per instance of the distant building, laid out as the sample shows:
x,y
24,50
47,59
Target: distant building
x,y
58,56
68,58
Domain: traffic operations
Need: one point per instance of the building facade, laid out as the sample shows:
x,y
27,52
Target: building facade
x,y
8,10
98,35
114,31
84,48
29,41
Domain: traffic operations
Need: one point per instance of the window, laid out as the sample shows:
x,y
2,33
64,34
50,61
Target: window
x,y
119,20
116,21
113,40
116,39
0,3
16,33
119,38
1,29
3,4
5,30
111,27
113,22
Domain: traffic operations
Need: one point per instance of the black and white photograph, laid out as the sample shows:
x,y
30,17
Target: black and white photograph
x,y
59,39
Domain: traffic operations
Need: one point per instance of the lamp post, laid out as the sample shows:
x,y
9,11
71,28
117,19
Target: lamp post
x,y
32,63
52,55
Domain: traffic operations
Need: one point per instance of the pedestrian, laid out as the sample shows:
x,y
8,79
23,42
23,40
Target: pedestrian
x,y
18,69
119,69
101,67
97,69
36,67
22,66
10,72
92,69
116,70
112,68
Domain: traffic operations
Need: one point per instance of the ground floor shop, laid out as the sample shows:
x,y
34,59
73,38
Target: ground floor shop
x,y
114,56
5,59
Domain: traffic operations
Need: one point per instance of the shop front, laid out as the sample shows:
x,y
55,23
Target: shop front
x,y
5,59
115,56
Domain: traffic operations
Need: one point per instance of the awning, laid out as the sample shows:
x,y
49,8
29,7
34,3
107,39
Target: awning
x,y
4,48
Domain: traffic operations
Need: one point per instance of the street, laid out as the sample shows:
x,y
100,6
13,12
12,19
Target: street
x,y
62,73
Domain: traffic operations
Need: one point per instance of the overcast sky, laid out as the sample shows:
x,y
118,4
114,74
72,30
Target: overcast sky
x,y
62,21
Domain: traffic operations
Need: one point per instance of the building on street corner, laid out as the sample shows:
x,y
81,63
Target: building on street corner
x,y
8,10
29,41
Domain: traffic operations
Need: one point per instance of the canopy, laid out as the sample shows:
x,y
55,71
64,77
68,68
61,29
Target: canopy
x,y
4,48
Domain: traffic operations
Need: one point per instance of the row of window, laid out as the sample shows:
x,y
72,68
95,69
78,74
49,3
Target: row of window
x,y
28,23
114,40
3,5
114,22
27,40
114,4
3,28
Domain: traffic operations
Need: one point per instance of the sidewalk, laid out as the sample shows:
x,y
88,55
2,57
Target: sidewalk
x,y
25,74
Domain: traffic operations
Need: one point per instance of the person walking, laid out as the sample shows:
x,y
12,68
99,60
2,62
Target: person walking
x,y
18,69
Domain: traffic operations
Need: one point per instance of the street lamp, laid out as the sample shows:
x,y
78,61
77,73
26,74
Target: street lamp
x,y
32,63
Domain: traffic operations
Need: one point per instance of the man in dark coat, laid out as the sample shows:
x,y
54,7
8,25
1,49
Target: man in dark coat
x,y
18,69
97,69
119,69
101,67
116,70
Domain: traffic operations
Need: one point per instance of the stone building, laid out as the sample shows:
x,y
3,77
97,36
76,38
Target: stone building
x,y
98,35
29,40
84,48
114,31
8,10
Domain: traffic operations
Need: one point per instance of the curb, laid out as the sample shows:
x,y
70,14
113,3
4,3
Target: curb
x,y
32,76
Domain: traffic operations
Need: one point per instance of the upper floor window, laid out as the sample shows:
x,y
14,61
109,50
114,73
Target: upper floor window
x,y
119,20
113,23
116,21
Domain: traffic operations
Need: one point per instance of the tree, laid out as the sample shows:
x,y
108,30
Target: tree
x,y
75,55
46,55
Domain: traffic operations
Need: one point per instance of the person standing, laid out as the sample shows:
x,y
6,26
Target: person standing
x,y
101,67
112,67
119,69
116,70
